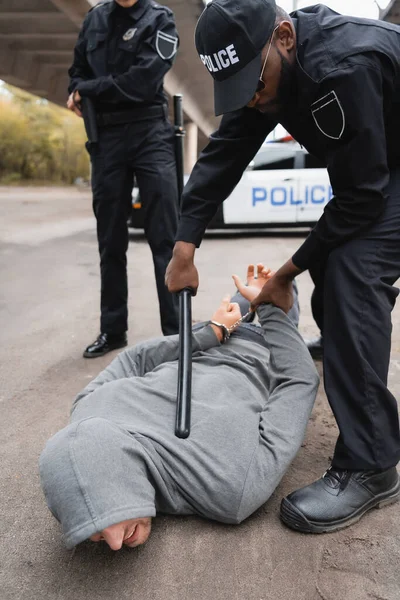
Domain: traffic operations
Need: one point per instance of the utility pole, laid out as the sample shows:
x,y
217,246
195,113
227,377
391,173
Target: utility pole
x,y
295,2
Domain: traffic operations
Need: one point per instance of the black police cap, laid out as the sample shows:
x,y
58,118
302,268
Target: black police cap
x,y
230,36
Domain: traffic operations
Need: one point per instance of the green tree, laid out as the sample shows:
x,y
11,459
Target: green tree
x,y
39,140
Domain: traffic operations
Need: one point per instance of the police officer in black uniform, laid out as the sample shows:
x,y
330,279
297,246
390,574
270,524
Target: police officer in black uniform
x,y
123,52
334,83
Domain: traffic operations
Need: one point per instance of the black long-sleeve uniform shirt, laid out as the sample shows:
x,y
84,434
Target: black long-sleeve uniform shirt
x,y
123,54
344,108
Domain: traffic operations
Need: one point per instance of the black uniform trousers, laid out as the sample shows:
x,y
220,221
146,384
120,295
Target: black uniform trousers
x,y
144,149
352,303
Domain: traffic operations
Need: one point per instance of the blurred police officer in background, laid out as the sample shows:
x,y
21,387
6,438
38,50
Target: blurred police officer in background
x,y
334,83
123,52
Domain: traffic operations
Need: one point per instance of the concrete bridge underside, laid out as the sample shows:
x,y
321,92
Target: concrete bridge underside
x,y
392,12
36,44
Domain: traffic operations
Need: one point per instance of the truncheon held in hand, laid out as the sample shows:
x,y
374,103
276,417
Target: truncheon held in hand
x,y
182,423
183,405
179,138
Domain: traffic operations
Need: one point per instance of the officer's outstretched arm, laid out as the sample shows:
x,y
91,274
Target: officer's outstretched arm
x,y
216,173
153,60
219,169
349,117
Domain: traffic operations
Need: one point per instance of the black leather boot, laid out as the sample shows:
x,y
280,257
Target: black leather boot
x,y
338,499
315,347
105,343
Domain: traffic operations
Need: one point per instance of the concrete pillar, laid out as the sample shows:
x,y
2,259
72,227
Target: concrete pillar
x,y
191,141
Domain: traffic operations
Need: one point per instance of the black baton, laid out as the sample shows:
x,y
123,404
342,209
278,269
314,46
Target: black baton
x,y
184,396
90,120
179,140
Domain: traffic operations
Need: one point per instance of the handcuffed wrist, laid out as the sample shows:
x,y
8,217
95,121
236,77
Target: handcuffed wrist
x,y
224,329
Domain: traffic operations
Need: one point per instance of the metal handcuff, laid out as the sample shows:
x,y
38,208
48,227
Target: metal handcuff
x,y
226,331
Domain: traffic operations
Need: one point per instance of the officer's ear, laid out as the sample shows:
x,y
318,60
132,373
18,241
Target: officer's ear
x,y
286,36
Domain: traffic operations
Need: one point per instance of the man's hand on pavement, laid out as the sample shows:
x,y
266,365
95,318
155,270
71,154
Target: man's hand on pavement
x,y
181,272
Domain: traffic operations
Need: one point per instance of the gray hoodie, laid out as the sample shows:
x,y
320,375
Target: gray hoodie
x,y
119,459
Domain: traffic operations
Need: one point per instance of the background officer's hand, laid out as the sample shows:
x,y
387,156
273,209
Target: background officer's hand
x,y
181,272
254,281
72,103
277,290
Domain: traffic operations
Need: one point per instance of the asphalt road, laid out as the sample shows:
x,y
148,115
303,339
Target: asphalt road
x,y
49,298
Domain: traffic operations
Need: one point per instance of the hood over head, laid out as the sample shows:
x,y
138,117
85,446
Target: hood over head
x,y
94,474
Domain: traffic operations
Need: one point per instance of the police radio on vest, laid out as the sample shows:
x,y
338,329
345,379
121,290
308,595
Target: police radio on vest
x,y
220,60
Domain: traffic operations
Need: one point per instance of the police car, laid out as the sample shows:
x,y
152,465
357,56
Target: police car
x,y
283,186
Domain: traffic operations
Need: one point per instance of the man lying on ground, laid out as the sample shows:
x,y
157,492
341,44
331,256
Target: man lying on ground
x,y
118,462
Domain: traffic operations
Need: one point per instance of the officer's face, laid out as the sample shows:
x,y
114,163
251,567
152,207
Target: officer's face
x,y
126,3
277,75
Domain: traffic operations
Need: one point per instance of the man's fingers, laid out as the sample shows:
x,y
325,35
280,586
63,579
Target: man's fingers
x,y
238,282
250,272
226,300
233,306
260,268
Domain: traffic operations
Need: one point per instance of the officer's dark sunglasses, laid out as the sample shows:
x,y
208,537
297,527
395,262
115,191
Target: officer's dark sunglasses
x,y
261,84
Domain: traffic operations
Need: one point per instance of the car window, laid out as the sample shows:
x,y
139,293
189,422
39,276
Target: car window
x,y
273,156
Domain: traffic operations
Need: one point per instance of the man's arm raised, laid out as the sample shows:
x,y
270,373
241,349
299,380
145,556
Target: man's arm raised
x,y
146,356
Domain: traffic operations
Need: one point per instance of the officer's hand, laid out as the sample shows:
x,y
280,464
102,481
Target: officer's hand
x,y
277,290
181,272
254,282
71,104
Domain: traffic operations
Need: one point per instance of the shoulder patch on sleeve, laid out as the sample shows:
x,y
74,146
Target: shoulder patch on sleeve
x,y
329,116
166,45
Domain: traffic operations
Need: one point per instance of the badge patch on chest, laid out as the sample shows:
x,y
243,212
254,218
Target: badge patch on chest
x,y
329,116
166,45
128,35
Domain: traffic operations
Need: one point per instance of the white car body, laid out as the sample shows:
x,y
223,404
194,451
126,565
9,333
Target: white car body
x,y
269,196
